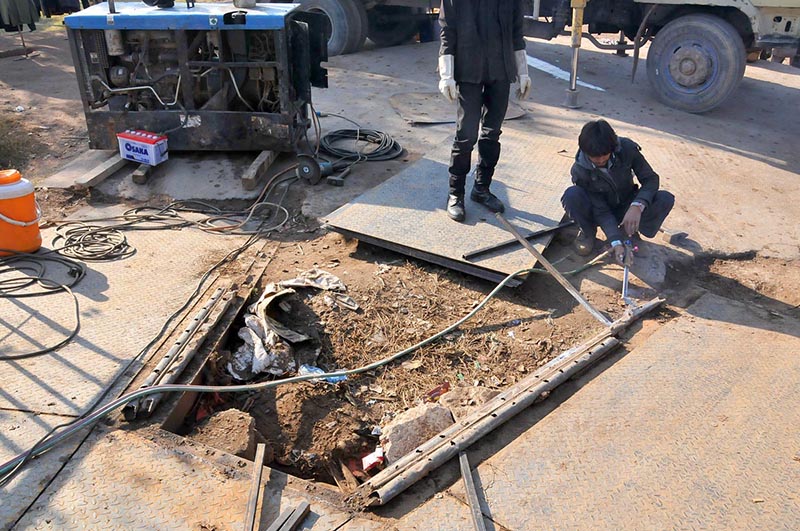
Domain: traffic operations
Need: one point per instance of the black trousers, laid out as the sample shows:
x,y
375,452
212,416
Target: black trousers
x,y
579,207
480,105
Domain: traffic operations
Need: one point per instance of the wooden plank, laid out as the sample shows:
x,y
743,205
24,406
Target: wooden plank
x,y
258,169
83,163
251,522
101,172
472,493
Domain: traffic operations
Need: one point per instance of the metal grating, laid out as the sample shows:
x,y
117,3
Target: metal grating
x,y
407,212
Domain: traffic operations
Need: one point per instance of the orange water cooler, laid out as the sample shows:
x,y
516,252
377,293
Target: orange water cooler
x,y
19,215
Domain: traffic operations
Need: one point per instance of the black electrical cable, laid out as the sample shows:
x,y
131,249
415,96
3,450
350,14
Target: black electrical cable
x,y
36,265
252,239
387,147
226,259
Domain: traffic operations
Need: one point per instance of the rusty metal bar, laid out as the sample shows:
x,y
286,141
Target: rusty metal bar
x,y
435,452
553,271
472,493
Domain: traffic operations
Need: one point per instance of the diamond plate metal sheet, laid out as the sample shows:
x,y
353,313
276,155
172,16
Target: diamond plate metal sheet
x,y
444,512
123,480
123,304
408,210
696,429
18,432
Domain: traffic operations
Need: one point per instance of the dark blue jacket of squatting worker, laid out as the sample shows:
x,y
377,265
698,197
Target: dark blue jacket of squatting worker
x,y
612,189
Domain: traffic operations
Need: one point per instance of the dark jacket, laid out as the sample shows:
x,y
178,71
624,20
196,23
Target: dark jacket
x,y
615,191
460,37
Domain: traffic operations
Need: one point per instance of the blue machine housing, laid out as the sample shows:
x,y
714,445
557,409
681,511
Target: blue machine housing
x,y
136,16
211,77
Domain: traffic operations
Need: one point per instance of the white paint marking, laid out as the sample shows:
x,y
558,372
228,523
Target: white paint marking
x,y
557,73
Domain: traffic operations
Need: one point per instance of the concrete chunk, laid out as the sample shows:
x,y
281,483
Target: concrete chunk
x,y
412,428
461,401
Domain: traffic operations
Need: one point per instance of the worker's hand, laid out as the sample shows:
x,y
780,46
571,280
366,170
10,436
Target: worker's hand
x,y
521,58
447,84
630,223
448,89
524,87
619,253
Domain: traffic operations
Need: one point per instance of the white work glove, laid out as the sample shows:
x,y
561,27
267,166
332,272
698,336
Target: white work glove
x,y
522,74
447,85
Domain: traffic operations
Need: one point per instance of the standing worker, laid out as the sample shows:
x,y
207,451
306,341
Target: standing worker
x,y
482,52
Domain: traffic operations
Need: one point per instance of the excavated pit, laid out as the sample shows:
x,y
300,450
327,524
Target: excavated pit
x,y
314,429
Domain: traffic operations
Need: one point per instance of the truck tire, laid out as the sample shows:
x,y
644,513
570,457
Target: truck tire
x,y
391,25
348,20
696,62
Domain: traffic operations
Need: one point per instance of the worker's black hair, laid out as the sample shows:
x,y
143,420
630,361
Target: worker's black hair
x,y
597,138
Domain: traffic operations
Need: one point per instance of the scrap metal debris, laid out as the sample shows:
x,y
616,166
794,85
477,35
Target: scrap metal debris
x,y
315,278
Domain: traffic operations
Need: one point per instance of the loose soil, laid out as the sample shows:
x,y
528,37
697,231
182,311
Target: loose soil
x,y
314,426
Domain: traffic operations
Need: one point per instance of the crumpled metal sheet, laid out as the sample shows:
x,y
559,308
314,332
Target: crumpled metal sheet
x,y
315,278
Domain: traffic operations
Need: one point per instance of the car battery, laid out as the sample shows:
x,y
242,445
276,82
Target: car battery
x,y
143,146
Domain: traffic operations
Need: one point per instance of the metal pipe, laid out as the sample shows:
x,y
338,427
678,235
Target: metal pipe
x,y
561,279
537,5
576,32
148,87
177,366
415,465
499,412
111,7
131,409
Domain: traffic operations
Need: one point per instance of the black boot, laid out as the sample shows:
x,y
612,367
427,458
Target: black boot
x,y
486,198
455,206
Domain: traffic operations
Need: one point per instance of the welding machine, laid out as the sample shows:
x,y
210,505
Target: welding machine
x,y
208,76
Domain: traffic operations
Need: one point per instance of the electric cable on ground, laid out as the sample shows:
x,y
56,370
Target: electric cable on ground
x,y
10,468
8,473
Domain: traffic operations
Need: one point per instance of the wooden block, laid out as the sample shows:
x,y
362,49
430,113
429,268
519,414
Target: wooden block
x,y
13,52
100,173
141,174
257,169
83,163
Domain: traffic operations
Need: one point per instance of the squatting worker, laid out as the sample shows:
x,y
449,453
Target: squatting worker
x,y
604,193
482,52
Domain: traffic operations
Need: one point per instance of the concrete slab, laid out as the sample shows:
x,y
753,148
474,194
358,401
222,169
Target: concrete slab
x,y
408,210
203,176
693,430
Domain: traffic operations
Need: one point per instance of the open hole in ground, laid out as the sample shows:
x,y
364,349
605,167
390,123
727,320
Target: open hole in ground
x,y
322,431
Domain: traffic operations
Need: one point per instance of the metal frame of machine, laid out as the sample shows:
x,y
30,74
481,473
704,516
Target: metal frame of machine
x,y
213,77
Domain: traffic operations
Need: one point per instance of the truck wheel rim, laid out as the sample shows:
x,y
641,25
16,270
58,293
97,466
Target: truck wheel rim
x,y
692,67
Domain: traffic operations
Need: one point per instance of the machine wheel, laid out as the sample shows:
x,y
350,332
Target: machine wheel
x,y
695,62
391,25
347,18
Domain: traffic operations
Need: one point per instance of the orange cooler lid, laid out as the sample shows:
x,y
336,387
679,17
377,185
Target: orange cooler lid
x,y
9,176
